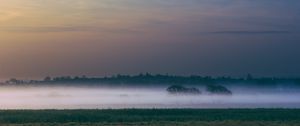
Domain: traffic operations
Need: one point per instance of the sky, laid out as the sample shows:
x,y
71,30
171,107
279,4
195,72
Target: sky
x,y
104,37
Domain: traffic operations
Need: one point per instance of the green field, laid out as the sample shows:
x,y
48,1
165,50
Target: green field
x,y
152,117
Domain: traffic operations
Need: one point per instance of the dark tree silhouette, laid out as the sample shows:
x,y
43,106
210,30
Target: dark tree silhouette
x,y
177,89
218,89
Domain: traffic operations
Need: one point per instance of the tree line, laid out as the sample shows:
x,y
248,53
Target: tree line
x,y
148,78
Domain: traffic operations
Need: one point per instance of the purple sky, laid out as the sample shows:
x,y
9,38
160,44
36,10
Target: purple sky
x,y
104,37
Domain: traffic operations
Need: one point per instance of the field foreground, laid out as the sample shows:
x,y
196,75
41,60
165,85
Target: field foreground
x,y
152,117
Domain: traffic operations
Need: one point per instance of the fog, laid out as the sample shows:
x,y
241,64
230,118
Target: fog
x,y
144,97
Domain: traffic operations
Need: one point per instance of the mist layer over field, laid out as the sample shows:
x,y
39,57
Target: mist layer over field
x,y
145,97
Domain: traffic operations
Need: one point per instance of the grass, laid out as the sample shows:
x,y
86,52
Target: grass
x,y
152,117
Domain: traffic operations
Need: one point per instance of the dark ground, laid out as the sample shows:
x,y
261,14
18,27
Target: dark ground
x,y
152,117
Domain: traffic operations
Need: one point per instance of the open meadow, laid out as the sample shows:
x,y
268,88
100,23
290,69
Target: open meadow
x,y
152,117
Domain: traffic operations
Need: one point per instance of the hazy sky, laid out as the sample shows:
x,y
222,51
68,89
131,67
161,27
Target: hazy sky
x,y
105,37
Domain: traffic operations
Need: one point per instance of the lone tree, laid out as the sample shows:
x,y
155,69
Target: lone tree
x,y
177,89
47,79
218,89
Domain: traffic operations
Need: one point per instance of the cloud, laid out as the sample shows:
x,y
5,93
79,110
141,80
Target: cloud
x,y
8,15
45,29
253,32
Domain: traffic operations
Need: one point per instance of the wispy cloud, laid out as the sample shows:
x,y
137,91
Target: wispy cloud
x,y
45,29
7,15
253,32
